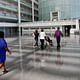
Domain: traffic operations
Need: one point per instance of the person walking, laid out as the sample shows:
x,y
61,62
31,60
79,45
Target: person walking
x,y
42,38
3,49
36,35
58,35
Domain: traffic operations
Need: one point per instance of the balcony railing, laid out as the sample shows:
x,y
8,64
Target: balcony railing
x,y
13,9
14,18
28,5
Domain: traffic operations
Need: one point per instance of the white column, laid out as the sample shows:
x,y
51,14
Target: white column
x,y
19,15
77,24
19,22
51,16
33,10
51,31
59,15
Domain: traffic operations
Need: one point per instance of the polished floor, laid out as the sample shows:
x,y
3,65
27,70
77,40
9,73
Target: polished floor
x,y
29,63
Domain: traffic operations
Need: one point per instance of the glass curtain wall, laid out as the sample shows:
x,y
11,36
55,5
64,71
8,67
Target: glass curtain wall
x,y
68,8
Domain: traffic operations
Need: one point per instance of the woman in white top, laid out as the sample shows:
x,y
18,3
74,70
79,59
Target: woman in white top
x,y
42,38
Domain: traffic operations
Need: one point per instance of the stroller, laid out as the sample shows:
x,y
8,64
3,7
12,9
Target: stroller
x,y
48,41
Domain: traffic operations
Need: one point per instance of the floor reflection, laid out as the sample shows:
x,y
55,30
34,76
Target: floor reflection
x,y
58,60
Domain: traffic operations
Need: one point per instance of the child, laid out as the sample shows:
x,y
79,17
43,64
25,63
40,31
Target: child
x,y
3,49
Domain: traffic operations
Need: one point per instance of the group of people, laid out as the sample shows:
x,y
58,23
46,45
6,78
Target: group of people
x,y
44,37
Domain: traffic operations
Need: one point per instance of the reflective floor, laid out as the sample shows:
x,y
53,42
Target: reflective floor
x,y
29,63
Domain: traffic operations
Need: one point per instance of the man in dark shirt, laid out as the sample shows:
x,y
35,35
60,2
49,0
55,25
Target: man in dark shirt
x,y
36,34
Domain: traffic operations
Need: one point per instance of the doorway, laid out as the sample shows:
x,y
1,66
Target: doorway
x,y
67,30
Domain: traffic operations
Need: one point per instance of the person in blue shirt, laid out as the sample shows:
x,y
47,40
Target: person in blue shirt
x,y
3,49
